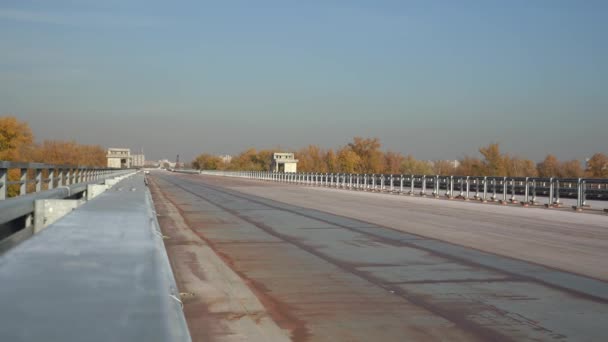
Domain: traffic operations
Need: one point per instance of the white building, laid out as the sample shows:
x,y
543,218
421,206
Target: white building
x,y
119,158
165,163
226,158
283,162
138,160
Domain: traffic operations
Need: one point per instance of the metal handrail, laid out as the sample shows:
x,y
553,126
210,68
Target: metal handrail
x,y
481,188
20,206
56,176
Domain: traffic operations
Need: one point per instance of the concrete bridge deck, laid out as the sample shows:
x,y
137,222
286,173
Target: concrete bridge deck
x,y
268,261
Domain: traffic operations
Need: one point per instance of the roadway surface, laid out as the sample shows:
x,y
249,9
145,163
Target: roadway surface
x,y
266,261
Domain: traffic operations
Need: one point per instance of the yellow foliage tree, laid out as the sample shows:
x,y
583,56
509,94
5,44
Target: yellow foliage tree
x,y
372,159
597,166
348,161
16,139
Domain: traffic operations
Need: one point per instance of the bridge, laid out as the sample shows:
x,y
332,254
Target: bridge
x,y
256,256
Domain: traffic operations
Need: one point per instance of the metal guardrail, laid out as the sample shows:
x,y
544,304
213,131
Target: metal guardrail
x,y
129,295
46,176
60,181
485,189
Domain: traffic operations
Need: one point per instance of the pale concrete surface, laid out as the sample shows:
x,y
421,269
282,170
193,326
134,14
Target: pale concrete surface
x,y
326,277
48,211
565,240
218,304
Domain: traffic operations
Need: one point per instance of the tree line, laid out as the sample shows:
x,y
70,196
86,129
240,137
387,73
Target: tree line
x,y
365,155
17,144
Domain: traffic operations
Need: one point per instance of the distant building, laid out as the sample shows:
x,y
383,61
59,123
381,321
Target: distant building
x,y
151,163
283,162
453,163
226,158
138,160
166,163
119,158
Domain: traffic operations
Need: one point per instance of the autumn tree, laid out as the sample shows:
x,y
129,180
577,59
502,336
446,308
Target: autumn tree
x,y
571,169
470,166
263,160
208,162
69,153
310,159
331,160
393,162
411,166
372,159
348,161
493,160
246,160
516,167
444,167
549,167
16,139
597,166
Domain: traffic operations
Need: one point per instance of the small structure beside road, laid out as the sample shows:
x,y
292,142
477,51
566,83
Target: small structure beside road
x,y
283,162
119,158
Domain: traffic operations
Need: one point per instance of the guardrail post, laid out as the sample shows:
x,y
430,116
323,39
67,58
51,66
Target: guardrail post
x,y
423,191
392,188
477,198
38,179
468,181
49,178
550,202
412,184
60,176
504,190
527,192
556,202
494,196
513,199
23,182
580,198
3,180
461,187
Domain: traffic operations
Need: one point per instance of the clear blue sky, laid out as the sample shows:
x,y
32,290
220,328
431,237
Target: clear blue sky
x,y
436,79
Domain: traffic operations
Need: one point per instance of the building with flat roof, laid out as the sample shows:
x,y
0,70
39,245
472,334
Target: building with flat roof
x,y
283,162
139,160
119,158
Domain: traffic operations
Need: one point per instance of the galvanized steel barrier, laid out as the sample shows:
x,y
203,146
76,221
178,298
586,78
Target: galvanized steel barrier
x,y
505,190
45,181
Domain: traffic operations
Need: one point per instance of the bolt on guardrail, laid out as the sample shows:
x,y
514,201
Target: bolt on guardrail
x,y
505,190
